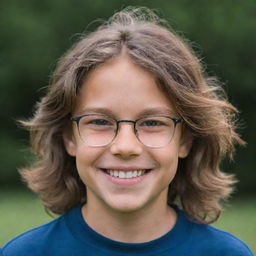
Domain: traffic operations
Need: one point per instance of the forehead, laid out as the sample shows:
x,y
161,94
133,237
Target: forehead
x,y
122,86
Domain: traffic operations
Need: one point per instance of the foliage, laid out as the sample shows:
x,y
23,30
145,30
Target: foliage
x,y
36,33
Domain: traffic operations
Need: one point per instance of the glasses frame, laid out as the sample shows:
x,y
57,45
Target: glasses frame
x,y
77,119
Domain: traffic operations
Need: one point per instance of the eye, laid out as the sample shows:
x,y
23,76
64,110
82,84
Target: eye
x,y
94,121
100,122
152,123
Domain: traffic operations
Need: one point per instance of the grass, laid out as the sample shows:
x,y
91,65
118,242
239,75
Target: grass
x,y
21,211
240,220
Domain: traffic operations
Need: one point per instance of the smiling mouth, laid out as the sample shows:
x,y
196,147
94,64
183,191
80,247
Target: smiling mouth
x,y
126,174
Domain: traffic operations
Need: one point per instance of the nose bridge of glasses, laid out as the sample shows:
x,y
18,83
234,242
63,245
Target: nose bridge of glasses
x,y
126,121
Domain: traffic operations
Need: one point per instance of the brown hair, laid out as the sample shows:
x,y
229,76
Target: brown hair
x,y
199,185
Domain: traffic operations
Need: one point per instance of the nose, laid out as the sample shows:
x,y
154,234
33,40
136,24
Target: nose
x,y
126,145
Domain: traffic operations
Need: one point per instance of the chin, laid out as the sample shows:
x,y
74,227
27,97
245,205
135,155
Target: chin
x,y
125,206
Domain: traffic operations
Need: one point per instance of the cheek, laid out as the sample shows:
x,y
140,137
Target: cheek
x,y
168,158
85,159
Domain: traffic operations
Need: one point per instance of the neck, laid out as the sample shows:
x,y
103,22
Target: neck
x,y
132,227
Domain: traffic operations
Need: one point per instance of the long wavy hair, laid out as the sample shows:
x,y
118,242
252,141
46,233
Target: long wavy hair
x,y
199,185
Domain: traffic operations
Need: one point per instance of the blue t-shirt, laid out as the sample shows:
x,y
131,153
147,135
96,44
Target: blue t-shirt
x,y
69,235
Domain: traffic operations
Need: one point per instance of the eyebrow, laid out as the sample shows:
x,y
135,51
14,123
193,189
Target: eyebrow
x,y
158,111
97,110
145,112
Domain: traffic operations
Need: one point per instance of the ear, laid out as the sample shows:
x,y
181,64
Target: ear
x,y
186,141
69,143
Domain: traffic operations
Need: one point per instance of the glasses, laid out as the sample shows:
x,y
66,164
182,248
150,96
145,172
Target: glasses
x,y
98,130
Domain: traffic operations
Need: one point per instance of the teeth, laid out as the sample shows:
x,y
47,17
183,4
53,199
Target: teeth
x,y
125,175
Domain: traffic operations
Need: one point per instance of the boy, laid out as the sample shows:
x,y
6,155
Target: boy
x,y
130,128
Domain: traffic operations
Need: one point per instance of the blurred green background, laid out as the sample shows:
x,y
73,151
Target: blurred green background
x,y
34,34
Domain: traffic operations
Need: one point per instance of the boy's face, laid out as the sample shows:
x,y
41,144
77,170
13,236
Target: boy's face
x,y
124,91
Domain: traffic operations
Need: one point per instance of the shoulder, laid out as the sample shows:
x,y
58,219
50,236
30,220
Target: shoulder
x,y
221,242
34,241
